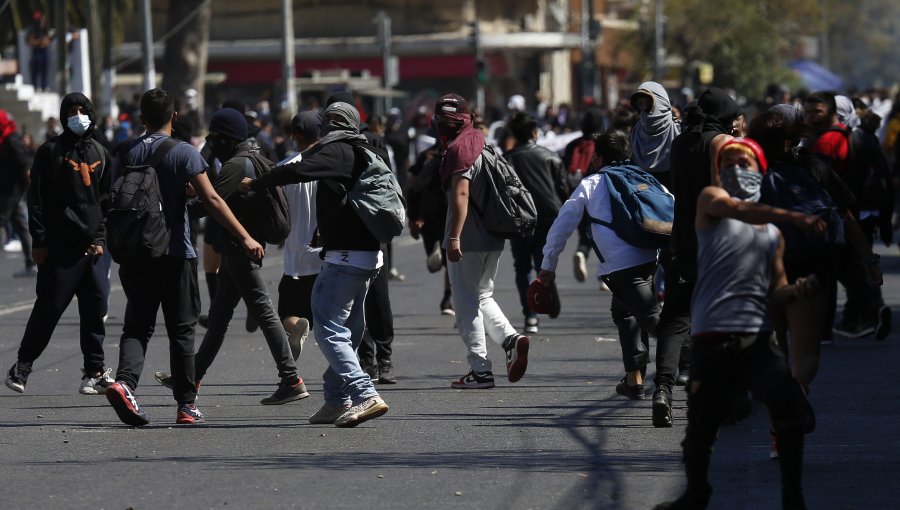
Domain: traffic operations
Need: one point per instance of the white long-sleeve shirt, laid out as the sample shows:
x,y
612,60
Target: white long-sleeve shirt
x,y
592,196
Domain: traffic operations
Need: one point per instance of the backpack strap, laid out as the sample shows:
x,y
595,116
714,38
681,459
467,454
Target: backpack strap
x,y
158,154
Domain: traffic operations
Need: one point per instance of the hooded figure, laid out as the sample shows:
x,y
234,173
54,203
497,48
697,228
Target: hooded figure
x,y
846,113
652,136
70,180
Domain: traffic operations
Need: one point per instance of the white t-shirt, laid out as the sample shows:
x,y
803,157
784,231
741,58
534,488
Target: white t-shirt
x,y
299,258
592,195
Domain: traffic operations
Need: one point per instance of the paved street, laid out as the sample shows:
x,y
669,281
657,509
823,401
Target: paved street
x,y
559,439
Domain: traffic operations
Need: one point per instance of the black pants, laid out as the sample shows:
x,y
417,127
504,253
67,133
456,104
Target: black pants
x,y
635,311
170,283
721,364
528,254
376,345
863,297
239,277
13,210
295,297
674,328
58,281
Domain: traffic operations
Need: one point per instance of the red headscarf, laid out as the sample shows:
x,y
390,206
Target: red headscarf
x,y
7,126
463,142
749,145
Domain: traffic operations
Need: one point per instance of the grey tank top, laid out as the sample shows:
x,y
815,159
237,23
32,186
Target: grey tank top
x,y
734,266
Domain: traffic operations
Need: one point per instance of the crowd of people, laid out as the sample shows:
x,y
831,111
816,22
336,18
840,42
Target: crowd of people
x,y
773,207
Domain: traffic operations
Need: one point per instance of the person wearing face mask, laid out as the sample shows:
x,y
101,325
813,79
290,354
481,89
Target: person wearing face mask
x,y
740,275
240,276
15,159
70,179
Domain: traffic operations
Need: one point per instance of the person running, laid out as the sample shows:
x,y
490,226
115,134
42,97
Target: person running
x,y
302,261
240,276
627,270
168,282
352,258
739,276
472,251
543,175
69,180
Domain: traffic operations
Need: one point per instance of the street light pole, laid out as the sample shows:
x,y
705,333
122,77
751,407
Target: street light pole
x,y
384,37
659,53
288,68
149,81
480,67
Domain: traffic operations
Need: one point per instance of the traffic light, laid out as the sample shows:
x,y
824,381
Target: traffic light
x,y
481,70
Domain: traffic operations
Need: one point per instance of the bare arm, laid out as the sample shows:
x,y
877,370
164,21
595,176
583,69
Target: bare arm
x,y
715,202
221,213
459,210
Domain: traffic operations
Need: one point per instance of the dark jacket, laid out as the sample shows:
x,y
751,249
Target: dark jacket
x,y
335,167
70,181
543,174
14,162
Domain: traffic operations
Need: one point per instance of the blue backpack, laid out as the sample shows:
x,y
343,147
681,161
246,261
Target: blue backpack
x,y
642,209
795,189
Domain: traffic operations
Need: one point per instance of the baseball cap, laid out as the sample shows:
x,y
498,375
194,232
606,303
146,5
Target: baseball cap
x,y
544,300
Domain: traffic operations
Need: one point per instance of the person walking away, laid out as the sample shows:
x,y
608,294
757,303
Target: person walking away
x,y
739,276
70,181
240,276
352,258
472,251
627,270
14,181
39,39
544,176
577,156
302,261
170,281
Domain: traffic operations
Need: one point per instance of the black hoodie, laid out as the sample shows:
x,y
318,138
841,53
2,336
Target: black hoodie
x,y
70,181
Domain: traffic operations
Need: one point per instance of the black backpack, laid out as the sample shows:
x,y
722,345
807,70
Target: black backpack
x,y
136,228
506,207
265,213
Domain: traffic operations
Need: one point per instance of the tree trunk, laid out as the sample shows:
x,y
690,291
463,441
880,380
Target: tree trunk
x,y
186,51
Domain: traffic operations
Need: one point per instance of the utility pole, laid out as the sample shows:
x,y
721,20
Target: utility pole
x,y
149,81
480,67
62,76
95,40
109,72
660,52
288,68
588,64
390,72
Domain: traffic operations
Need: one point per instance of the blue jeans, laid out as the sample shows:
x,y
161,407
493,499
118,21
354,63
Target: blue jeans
x,y
338,306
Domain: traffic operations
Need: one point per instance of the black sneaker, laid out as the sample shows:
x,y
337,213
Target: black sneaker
x,y
684,376
531,325
286,392
516,347
188,414
883,328
635,392
17,377
386,373
203,320
474,381
125,404
855,330
447,306
662,407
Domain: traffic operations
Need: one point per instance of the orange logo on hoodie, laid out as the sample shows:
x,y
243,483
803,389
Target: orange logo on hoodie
x,y
85,170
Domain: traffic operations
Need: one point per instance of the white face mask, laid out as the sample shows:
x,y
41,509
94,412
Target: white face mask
x,y
79,124
741,183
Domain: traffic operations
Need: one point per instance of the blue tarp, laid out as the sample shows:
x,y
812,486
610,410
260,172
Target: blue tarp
x,y
816,77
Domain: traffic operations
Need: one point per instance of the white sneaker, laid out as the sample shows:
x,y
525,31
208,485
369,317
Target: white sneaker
x,y
327,414
297,337
579,266
13,246
96,385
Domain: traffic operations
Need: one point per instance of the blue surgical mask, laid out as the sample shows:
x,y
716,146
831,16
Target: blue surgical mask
x,y
741,183
79,124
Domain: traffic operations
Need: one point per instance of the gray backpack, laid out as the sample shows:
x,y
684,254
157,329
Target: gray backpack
x,y
376,196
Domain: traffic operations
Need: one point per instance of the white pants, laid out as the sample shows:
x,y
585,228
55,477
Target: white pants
x,y
477,314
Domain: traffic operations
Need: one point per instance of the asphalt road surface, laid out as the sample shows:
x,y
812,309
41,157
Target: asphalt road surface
x,y
558,439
